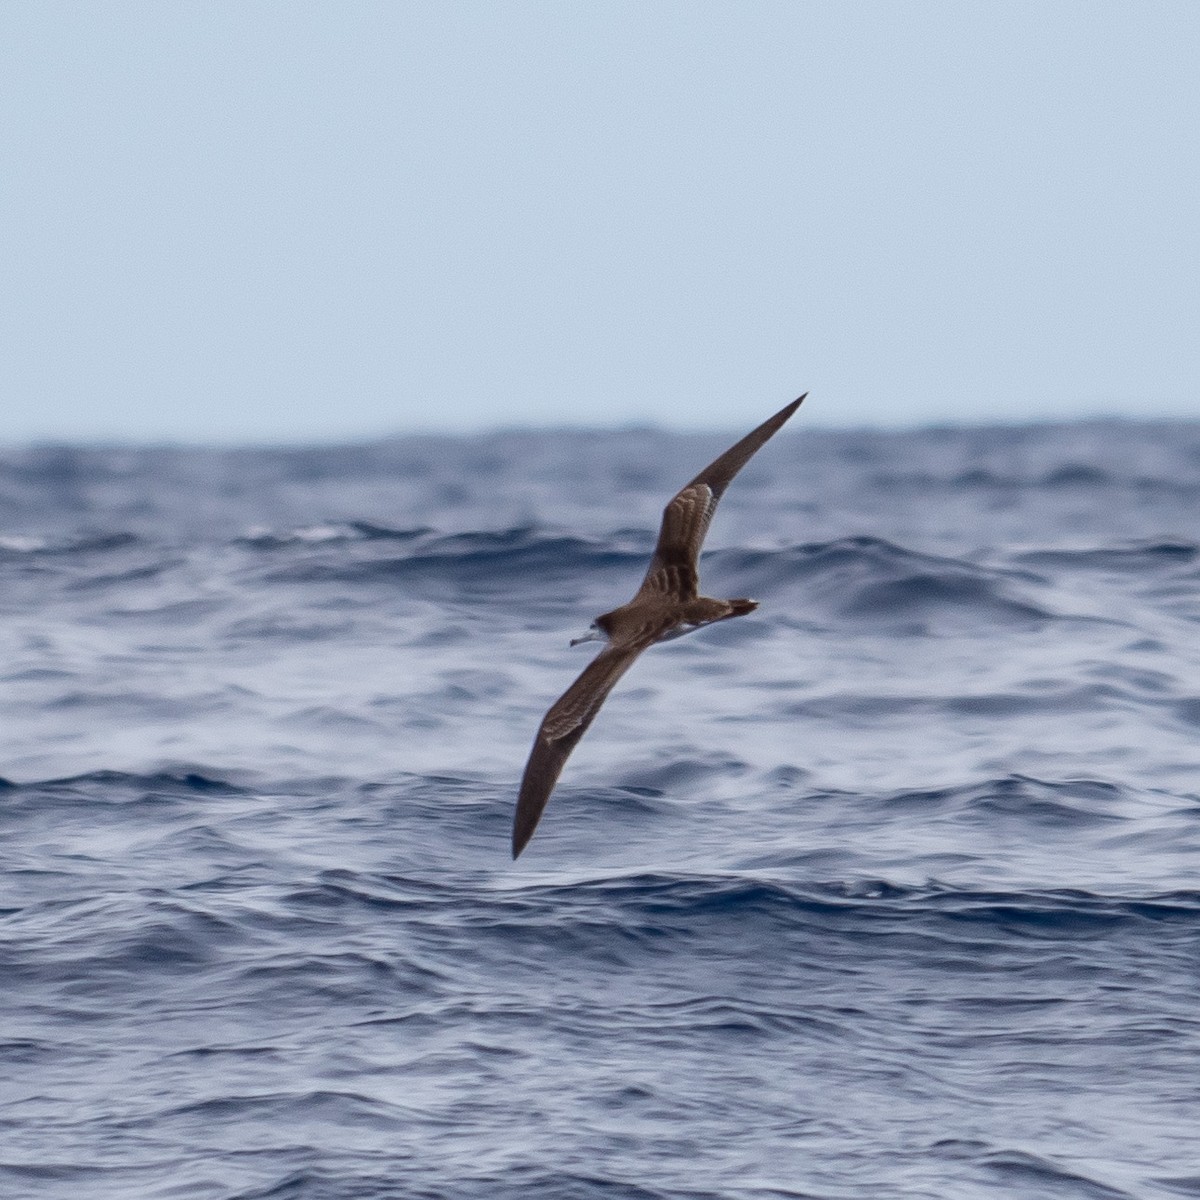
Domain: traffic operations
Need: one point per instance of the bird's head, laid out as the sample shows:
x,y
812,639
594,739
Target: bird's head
x,y
598,631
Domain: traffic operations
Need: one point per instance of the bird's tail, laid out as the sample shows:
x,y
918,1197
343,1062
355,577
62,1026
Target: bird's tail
x,y
739,608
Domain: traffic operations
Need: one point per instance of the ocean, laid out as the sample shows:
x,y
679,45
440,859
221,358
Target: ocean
x,y
890,889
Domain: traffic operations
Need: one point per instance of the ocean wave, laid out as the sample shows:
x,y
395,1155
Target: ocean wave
x,y
862,581
121,787
81,544
1019,1169
858,579
497,561
1156,556
262,537
661,896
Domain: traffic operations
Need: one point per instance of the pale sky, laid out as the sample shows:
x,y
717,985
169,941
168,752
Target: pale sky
x,y
228,220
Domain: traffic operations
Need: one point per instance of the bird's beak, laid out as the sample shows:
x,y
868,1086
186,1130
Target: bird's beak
x,y
592,635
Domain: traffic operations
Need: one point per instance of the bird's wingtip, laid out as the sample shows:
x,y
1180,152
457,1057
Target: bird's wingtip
x,y
520,839
787,410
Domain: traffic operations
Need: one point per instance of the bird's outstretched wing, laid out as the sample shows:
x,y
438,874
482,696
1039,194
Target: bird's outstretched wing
x,y
560,731
673,569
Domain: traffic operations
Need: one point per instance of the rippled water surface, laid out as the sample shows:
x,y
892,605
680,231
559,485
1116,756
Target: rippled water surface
x,y
888,890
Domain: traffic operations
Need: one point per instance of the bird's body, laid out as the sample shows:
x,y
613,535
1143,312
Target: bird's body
x,y
667,605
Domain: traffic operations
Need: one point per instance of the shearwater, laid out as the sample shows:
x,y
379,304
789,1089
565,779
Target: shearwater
x,y
667,605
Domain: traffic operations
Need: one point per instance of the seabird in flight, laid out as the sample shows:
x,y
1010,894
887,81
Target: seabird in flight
x,y
667,605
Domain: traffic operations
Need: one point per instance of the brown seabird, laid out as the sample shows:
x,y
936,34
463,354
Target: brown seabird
x,y
667,605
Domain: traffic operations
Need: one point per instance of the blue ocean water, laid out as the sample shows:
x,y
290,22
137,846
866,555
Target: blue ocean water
x,y
891,889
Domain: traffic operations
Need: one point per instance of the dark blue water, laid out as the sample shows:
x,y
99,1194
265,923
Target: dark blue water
x,y
889,890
